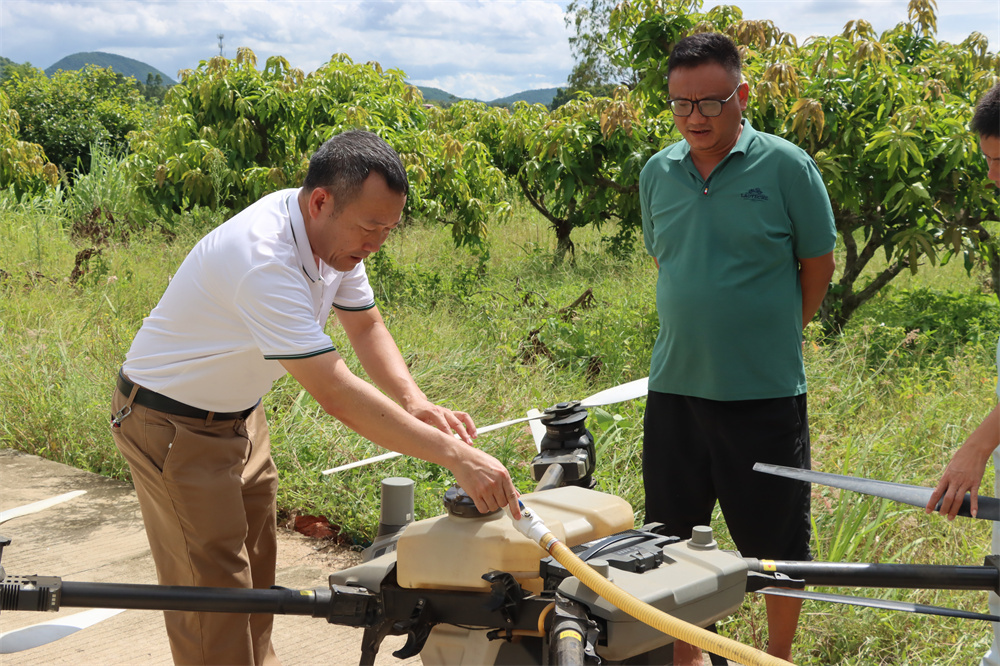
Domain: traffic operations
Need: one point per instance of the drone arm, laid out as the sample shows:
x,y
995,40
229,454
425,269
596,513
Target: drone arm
x,y
338,605
849,574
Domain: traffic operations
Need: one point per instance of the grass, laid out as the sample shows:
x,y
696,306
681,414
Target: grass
x,y
885,402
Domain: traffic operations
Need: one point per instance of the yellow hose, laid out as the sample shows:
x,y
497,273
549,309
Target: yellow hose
x,y
685,631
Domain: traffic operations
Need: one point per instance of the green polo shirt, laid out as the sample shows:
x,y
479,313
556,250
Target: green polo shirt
x,y
727,293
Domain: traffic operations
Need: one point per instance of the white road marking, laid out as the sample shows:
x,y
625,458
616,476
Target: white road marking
x,y
34,507
43,633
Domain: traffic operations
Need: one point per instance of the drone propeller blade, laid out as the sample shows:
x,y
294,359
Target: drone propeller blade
x,y
360,463
989,507
880,603
396,454
537,429
504,424
43,633
620,393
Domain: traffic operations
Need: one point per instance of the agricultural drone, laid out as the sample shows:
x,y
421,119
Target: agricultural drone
x,y
572,582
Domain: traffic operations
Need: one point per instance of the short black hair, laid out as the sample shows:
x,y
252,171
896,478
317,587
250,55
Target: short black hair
x,y
706,47
343,163
986,119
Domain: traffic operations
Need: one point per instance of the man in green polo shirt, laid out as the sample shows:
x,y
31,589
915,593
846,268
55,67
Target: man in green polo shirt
x,y
742,233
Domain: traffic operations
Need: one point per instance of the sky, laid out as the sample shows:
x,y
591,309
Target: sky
x,y
481,49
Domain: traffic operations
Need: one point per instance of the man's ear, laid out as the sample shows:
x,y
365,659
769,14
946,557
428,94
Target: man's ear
x,y
319,198
743,95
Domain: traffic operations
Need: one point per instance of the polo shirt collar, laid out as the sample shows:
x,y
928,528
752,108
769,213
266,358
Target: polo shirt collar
x,y
742,144
302,246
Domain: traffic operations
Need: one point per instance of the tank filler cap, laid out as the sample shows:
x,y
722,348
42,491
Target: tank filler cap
x,y
602,567
702,538
458,503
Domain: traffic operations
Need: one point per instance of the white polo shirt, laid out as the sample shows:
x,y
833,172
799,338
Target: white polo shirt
x,y
248,294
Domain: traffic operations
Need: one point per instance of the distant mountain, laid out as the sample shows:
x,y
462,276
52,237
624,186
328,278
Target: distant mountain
x,y
120,64
540,96
438,95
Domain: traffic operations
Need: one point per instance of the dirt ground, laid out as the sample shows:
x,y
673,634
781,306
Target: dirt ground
x,y
98,537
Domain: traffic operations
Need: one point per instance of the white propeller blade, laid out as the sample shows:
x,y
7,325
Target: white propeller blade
x,y
35,507
537,429
620,393
396,454
360,463
43,633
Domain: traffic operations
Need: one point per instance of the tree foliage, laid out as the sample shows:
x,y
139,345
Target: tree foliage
x,y
72,110
885,116
23,165
230,132
581,164
154,89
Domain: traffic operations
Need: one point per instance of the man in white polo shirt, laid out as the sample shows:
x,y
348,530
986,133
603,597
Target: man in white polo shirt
x,y
248,304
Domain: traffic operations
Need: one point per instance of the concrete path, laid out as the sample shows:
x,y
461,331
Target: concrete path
x,y
99,537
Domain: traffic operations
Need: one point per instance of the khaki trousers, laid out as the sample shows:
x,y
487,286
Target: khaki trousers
x,y
207,493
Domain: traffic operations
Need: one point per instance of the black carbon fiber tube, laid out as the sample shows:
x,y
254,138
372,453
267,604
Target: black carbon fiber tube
x,y
911,576
206,599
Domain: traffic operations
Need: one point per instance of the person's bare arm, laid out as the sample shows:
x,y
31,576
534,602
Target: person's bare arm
x,y
364,409
381,359
814,276
965,471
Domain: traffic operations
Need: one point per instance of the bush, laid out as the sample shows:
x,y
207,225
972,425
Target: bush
x,y
71,111
924,325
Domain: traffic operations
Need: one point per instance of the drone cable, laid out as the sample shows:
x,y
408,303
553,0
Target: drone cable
x,y
531,526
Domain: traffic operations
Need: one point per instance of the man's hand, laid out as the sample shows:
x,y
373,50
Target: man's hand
x,y
486,481
965,471
444,419
363,409
963,475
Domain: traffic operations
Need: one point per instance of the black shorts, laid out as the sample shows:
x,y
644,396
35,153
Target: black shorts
x,y
696,451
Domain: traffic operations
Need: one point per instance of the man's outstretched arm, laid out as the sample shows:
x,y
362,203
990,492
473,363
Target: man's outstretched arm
x,y
381,359
365,410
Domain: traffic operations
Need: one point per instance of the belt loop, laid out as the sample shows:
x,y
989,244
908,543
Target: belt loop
x,y
208,419
131,395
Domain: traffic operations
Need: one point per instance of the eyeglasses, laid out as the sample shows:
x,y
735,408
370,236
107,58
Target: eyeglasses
x,y
710,108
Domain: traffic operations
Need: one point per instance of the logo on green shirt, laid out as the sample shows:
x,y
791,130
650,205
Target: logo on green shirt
x,y
754,194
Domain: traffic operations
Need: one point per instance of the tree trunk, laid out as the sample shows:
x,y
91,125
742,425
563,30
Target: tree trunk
x,y
564,244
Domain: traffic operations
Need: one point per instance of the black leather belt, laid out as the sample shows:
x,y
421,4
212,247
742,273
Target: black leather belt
x,y
162,403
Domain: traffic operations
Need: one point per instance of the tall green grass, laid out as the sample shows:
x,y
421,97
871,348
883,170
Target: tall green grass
x,y
489,333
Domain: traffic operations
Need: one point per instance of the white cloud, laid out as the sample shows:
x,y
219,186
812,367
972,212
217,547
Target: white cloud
x,y
956,19
484,49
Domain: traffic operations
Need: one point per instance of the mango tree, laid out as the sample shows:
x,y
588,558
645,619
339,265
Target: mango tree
x,y
230,133
72,110
885,116
23,165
